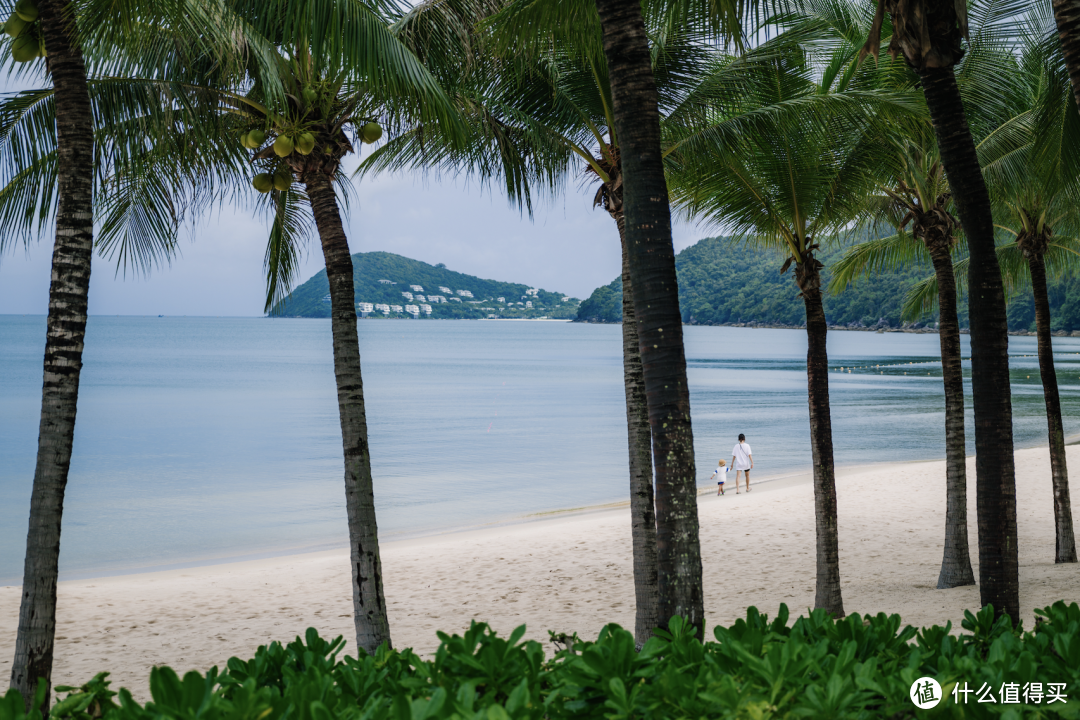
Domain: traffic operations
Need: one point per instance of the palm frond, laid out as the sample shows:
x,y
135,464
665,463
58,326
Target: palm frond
x,y
875,256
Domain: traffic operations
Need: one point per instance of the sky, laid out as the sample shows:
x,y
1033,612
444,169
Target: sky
x,y
567,247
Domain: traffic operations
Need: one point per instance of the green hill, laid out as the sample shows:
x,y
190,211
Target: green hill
x,y
723,283
381,278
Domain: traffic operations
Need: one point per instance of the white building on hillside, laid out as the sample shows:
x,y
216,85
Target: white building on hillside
x,y
445,290
416,288
528,304
426,309
421,298
532,291
502,299
455,299
387,282
395,308
413,310
364,308
407,295
436,299
566,299
465,293
383,308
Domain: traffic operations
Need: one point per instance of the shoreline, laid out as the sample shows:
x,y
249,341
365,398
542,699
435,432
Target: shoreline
x,y
777,481
771,482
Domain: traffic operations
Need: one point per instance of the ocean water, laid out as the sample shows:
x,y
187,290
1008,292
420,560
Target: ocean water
x,y
204,439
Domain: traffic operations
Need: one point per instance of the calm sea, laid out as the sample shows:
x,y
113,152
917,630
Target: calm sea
x,y
203,439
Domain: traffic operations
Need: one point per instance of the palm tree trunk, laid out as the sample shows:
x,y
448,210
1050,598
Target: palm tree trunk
x,y
1067,16
656,308
999,582
369,604
1065,545
956,562
828,595
65,331
639,440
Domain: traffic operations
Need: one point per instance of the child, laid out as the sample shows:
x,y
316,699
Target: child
x,y
721,472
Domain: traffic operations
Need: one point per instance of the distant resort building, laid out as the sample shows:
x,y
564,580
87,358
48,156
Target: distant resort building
x,y
326,299
465,293
527,304
474,302
435,299
413,310
455,299
407,295
421,298
502,299
364,308
383,308
416,288
426,309
396,308
446,290
387,282
532,291
566,299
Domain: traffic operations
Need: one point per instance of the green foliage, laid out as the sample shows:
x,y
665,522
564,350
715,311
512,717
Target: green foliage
x,y
308,300
723,281
858,667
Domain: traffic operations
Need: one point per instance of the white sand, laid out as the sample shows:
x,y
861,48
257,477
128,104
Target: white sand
x,y
563,573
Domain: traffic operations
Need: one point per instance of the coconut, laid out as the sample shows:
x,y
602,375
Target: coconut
x,y
27,10
256,137
310,95
283,146
305,143
24,48
15,25
370,132
263,182
245,141
283,179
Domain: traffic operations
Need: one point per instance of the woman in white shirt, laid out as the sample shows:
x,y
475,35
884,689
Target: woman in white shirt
x,y
742,462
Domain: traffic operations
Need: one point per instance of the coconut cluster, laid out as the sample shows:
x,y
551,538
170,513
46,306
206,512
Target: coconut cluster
x,y
24,26
296,138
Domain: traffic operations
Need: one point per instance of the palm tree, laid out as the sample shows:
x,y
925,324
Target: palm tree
x,y
65,333
785,163
635,120
339,65
929,34
919,196
531,118
1032,165
53,176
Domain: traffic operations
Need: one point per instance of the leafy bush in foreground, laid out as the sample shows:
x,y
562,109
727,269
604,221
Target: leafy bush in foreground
x,y
858,667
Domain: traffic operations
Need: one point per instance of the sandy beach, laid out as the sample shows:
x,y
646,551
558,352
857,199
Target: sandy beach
x,y
563,573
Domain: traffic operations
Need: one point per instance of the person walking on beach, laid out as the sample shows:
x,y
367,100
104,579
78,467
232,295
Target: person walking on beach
x,y
721,472
742,462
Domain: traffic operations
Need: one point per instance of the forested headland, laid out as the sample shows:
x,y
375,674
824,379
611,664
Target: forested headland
x,y
721,282
382,278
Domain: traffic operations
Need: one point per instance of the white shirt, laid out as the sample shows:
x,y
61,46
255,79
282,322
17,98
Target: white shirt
x,y
741,453
721,474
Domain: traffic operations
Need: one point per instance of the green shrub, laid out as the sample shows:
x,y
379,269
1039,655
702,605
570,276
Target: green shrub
x,y
858,667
